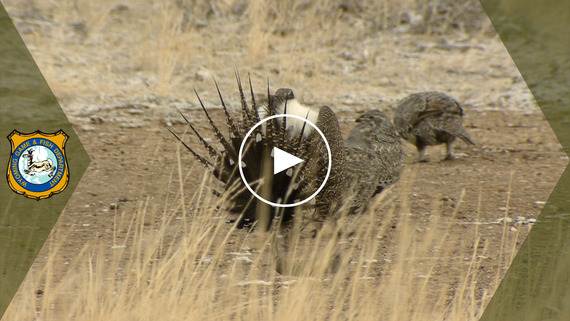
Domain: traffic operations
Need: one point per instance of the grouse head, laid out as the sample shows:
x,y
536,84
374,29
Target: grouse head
x,y
376,123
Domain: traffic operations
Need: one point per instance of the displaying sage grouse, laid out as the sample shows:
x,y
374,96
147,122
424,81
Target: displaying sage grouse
x,y
370,161
430,118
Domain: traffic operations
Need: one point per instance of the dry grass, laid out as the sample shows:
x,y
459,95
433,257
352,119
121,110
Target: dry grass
x,y
192,265
133,48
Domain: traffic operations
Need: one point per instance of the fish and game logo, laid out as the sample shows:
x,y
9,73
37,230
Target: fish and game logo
x,y
38,166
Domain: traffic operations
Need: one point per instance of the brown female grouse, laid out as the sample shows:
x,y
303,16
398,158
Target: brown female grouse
x,y
430,118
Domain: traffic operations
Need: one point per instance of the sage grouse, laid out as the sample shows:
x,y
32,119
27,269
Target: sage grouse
x,y
374,157
367,158
430,118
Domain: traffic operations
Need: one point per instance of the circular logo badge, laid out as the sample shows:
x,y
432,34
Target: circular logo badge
x,y
39,165
273,203
37,174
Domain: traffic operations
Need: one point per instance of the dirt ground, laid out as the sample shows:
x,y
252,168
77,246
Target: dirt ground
x,y
504,184
121,111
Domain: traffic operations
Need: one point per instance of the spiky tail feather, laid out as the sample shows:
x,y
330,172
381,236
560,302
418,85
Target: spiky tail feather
x,y
284,187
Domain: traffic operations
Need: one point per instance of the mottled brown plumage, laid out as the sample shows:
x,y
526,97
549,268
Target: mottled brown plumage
x,y
330,198
430,118
368,161
374,157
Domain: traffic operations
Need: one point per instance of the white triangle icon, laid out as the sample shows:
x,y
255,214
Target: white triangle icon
x,y
283,160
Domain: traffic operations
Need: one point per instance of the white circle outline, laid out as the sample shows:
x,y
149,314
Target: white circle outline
x,y
261,198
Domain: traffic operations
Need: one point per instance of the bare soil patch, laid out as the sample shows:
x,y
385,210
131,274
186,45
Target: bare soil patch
x,y
120,80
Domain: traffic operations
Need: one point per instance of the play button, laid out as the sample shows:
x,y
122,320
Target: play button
x,y
283,160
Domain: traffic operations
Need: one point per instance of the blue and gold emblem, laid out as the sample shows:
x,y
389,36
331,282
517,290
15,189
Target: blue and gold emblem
x,y
38,167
